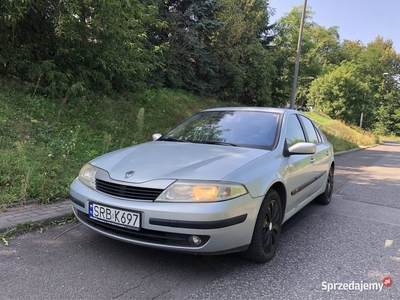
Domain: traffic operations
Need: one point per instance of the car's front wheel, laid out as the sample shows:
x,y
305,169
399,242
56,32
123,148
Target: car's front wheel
x,y
267,230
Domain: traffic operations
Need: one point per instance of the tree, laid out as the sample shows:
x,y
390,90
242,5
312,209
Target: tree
x,y
327,49
189,63
61,47
351,50
27,40
287,33
380,66
388,114
320,49
342,94
245,63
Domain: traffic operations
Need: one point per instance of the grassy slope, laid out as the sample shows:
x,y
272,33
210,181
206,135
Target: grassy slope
x,y
342,136
44,143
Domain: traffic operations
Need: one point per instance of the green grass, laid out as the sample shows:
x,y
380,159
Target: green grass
x,y
44,143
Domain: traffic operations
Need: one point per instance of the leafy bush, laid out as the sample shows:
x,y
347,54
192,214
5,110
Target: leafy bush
x,y
63,48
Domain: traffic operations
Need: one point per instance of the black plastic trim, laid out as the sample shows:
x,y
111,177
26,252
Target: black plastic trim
x,y
76,201
144,235
127,191
199,224
304,185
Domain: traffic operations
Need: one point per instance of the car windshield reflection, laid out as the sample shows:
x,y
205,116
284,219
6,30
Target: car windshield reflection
x,y
228,128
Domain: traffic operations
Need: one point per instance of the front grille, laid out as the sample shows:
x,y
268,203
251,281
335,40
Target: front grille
x,y
127,191
144,235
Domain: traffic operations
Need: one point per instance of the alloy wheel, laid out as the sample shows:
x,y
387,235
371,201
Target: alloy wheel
x,y
271,227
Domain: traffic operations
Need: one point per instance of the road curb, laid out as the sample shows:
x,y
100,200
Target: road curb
x,y
355,150
33,214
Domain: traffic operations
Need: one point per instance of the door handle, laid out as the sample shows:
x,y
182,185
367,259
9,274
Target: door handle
x,y
312,160
327,152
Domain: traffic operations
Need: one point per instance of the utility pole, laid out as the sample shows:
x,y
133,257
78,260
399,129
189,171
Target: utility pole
x,y
362,111
362,116
296,68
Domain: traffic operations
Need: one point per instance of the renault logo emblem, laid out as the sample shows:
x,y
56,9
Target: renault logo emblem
x,y
129,174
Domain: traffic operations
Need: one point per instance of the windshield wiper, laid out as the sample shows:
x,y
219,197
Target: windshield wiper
x,y
171,139
214,143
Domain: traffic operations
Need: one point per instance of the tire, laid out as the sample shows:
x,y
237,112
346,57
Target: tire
x,y
266,230
326,197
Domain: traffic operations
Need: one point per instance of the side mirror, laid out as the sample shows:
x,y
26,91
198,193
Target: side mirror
x,y
302,148
156,136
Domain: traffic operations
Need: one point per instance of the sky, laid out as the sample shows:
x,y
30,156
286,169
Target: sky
x,y
357,19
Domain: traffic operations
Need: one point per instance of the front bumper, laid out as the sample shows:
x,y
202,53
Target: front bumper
x,y
225,226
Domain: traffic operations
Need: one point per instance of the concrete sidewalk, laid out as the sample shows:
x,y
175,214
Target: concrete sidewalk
x,y
35,213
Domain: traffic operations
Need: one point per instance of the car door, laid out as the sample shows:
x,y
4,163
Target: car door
x,y
320,164
299,167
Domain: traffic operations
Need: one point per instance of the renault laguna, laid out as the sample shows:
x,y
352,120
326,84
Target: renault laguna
x,y
224,180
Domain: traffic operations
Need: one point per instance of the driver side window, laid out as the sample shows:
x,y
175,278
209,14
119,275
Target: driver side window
x,y
294,132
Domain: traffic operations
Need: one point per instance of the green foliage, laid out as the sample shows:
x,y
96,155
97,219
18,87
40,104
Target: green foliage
x,y
388,113
73,48
219,48
246,69
351,50
320,49
377,58
342,94
189,63
345,80
378,65
63,48
327,49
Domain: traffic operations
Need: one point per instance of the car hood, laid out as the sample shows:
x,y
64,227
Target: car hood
x,y
175,160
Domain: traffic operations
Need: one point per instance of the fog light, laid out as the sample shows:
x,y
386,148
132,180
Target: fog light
x,y
194,239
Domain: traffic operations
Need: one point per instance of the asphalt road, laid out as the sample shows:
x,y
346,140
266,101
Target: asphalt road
x,y
353,241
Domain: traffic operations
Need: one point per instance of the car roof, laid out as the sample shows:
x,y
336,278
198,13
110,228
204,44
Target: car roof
x,y
258,109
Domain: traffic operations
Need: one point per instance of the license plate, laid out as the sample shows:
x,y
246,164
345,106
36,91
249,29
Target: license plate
x,y
114,216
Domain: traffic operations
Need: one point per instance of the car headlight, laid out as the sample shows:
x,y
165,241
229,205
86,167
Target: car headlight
x,y
87,175
201,192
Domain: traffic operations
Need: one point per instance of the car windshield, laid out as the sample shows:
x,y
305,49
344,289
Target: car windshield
x,y
230,128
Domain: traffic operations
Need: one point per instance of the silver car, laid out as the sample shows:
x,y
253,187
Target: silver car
x,y
223,180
